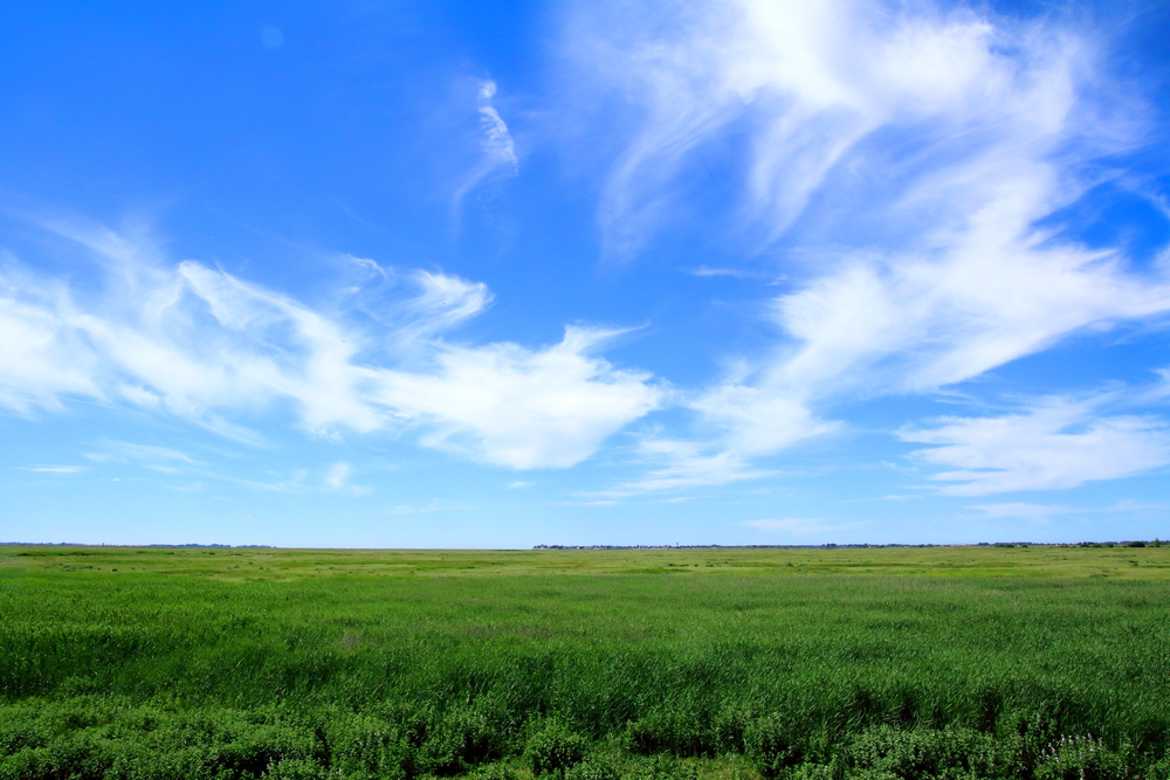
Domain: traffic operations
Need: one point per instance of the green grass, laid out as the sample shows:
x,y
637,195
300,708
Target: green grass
x,y
880,663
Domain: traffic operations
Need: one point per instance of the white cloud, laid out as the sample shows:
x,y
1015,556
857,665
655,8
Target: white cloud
x,y
497,157
739,424
41,360
201,344
61,470
808,85
679,464
497,140
753,421
515,407
731,272
905,153
915,325
1057,443
1023,510
127,451
446,301
442,302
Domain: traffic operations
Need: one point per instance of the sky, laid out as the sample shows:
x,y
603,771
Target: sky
x,y
447,274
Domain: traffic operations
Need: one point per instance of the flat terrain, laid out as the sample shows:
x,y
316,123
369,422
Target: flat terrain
x,y
874,663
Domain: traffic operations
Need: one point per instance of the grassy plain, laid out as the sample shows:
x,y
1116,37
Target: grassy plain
x,y
826,663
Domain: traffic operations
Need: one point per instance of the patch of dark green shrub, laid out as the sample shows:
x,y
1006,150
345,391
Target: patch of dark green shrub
x,y
1083,758
554,748
928,753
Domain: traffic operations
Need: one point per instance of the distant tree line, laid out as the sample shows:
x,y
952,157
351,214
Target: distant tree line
x,y
830,546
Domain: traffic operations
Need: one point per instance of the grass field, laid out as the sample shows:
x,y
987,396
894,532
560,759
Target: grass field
x,y
828,663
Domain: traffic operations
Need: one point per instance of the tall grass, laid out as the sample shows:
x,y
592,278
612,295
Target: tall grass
x,y
884,663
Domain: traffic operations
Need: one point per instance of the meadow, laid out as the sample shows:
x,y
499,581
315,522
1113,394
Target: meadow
x,y
976,662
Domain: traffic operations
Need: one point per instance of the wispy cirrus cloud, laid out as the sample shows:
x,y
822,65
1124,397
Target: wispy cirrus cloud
x,y
731,272
1023,510
135,452
921,155
497,157
678,464
39,362
811,88
194,342
1053,443
58,470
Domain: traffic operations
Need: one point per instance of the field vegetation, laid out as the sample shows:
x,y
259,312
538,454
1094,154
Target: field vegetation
x,y
977,662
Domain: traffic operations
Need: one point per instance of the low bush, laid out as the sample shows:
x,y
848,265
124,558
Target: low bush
x,y
928,753
554,748
1083,758
465,736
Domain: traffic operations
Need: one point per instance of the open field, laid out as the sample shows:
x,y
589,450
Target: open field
x,y
873,663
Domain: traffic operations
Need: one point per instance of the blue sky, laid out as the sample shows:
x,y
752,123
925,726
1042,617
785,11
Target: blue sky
x,y
475,275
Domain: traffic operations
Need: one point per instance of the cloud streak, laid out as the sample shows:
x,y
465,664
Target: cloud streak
x,y
58,470
198,343
1054,443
